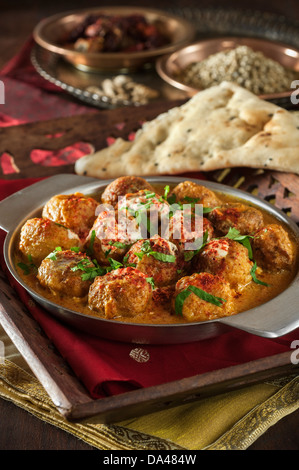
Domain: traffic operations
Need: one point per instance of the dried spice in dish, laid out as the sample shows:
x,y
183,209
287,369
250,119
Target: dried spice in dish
x,y
116,33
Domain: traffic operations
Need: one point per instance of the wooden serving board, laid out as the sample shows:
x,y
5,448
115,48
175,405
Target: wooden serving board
x,y
95,128
66,391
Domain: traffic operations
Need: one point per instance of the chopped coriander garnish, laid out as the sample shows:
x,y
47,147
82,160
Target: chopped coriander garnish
x,y
181,297
107,252
91,243
234,234
207,210
171,199
91,271
147,250
25,268
191,200
166,192
52,255
118,244
253,275
188,255
162,257
151,281
115,264
150,195
179,301
60,225
212,299
28,267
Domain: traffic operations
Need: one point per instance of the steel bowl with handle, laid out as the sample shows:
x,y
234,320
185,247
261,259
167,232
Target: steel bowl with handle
x,y
272,319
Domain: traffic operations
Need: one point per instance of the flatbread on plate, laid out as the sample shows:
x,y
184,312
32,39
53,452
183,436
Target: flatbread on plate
x,y
221,127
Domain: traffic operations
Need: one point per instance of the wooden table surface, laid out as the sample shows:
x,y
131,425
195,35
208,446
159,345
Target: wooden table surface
x,y
18,429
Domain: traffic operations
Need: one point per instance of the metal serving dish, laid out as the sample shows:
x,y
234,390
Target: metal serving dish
x,y
170,65
275,318
52,32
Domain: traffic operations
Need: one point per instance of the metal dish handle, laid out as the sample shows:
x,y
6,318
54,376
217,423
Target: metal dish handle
x,y
20,204
273,319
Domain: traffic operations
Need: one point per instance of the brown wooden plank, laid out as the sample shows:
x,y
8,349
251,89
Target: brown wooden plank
x,y
93,128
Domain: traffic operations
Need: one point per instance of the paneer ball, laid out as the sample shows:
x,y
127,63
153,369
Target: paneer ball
x,y
246,219
227,258
122,186
40,236
74,211
273,249
60,273
196,306
123,292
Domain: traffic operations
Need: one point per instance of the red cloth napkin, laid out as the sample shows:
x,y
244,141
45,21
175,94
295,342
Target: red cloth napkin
x,y
107,368
21,68
29,97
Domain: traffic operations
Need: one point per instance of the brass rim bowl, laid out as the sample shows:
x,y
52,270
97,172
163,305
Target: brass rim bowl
x,y
51,33
170,65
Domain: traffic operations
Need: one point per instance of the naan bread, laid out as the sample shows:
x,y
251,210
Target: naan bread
x,y
221,127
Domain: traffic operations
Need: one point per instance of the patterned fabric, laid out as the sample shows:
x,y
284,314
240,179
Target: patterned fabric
x,y
232,421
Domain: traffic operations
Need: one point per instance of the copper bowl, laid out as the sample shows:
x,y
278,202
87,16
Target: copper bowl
x,y
170,65
51,34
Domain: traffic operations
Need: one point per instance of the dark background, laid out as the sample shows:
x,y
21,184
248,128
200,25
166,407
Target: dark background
x,y
17,19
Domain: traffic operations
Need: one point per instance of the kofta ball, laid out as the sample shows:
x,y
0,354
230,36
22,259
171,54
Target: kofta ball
x,y
74,211
122,186
196,306
40,236
124,292
227,258
149,210
187,231
110,238
273,249
246,219
190,191
60,272
157,258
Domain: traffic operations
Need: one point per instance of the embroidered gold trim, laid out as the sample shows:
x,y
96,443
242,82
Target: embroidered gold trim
x,y
261,418
25,391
